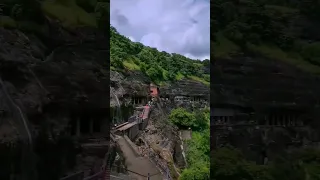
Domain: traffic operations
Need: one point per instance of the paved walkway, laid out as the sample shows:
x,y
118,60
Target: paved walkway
x,y
137,163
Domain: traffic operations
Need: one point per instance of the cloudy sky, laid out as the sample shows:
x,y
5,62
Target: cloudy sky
x,y
175,26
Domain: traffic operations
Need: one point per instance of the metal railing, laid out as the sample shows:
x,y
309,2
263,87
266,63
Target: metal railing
x,y
148,176
161,165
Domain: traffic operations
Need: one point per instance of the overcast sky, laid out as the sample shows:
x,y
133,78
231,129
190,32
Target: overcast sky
x,y
174,26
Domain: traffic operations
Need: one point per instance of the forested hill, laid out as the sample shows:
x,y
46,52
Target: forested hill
x,y
35,15
160,67
287,30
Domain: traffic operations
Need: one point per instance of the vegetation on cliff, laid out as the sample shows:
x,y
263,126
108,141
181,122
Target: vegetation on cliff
x,y
31,15
198,148
197,120
229,164
158,66
282,30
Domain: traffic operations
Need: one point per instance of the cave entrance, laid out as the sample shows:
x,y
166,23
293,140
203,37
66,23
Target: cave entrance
x,y
283,120
73,126
90,125
222,116
195,98
96,125
138,100
221,120
285,117
85,124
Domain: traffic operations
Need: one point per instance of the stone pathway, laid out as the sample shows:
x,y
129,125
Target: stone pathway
x,y
136,163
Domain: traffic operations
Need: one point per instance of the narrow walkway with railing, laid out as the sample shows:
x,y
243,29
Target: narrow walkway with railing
x,y
139,166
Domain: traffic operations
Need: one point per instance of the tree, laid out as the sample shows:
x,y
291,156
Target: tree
x,y
199,172
154,73
158,66
229,164
198,156
182,118
202,120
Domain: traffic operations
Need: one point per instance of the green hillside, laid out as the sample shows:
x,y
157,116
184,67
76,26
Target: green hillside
x,y
283,30
160,67
33,15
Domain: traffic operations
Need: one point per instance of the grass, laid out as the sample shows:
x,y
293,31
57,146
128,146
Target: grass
x,y
69,13
273,52
195,78
206,77
179,76
225,47
7,22
131,65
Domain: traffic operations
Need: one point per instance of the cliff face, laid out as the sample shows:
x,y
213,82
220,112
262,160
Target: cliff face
x,y
256,80
276,105
41,78
186,88
51,79
124,86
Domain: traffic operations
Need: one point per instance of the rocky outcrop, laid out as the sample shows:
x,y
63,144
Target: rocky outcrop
x,y
126,85
186,87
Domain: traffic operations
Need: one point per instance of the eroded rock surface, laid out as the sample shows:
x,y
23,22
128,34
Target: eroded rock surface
x,y
51,78
257,80
186,88
126,85
273,107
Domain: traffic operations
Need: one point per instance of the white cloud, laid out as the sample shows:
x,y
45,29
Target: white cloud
x,y
175,26
132,38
